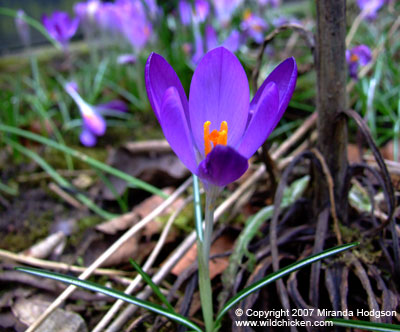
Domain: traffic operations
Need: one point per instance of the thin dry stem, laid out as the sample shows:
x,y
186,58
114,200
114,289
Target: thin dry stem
x,y
45,264
329,180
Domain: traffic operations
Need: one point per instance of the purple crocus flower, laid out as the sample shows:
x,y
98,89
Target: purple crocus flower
x,y
217,130
356,57
254,26
94,124
86,11
225,8
370,7
232,42
135,26
60,26
202,8
200,13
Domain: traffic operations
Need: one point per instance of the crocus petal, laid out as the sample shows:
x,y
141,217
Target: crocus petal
x,y
176,130
232,42
93,121
284,76
87,138
159,76
219,91
112,105
364,54
222,166
211,38
264,120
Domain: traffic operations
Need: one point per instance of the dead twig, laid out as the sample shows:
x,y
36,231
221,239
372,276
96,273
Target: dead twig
x,y
388,188
45,264
307,36
329,181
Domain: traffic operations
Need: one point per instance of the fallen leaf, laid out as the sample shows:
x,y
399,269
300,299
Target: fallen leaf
x,y
158,168
217,265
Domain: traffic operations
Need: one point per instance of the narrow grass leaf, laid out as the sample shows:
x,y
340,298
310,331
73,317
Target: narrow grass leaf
x,y
152,285
59,179
113,293
279,274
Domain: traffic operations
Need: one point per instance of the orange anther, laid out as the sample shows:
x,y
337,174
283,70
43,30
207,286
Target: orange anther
x,y
215,137
354,58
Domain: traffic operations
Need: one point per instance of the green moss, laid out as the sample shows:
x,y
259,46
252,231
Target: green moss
x,y
30,231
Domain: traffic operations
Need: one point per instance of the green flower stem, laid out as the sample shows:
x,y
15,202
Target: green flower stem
x,y
203,254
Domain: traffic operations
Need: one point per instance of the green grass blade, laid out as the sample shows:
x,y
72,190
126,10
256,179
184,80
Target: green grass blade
x,y
152,285
113,293
362,325
59,179
279,274
91,161
8,190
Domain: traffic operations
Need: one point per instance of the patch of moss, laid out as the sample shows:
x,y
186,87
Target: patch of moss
x,y
32,229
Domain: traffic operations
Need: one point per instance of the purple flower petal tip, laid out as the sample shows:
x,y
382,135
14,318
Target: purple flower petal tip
x,y
87,138
159,76
222,166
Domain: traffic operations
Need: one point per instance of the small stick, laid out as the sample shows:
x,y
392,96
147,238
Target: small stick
x,y
45,264
329,180
66,197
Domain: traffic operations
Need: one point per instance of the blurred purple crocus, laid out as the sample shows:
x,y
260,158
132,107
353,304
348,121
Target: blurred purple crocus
x,y
200,13
217,130
357,56
232,42
225,9
94,123
370,7
86,10
254,26
60,26
135,26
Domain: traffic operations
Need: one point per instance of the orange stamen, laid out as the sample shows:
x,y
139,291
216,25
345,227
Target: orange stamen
x,y
354,58
215,137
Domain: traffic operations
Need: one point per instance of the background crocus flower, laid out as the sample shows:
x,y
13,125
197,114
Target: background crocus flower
x,y
232,42
86,10
370,7
23,28
202,8
356,57
60,26
135,26
94,124
217,130
254,26
225,8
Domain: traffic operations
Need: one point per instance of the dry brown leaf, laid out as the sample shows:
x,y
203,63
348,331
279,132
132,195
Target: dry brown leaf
x,y
127,220
217,265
